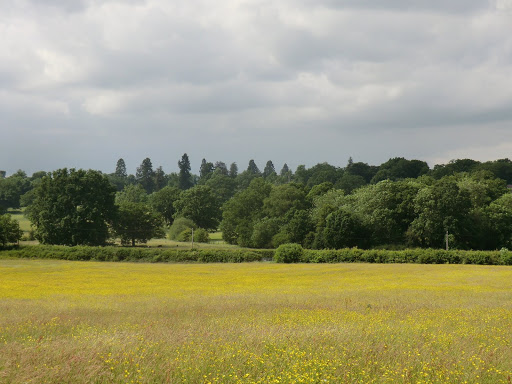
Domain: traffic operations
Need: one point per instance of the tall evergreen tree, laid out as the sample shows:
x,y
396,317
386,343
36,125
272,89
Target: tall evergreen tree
x,y
145,175
221,168
120,169
269,169
233,170
185,178
205,171
160,179
253,168
284,170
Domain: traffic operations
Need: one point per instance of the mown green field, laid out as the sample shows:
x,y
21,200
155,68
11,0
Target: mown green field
x,y
88,322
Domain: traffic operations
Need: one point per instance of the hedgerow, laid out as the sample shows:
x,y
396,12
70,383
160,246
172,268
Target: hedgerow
x,y
347,255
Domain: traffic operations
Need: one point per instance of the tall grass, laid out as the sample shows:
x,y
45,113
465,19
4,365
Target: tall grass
x,y
88,322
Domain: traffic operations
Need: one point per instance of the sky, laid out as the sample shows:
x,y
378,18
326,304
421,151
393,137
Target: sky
x,y
86,82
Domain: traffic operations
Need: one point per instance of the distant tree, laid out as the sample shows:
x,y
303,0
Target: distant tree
x,y
133,193
145,175
241,212
200,205
137,223
221,168
439,208
233,170
344,229
253,168
2,174
12,188
269,169
361,169
399,168
223,187
162,202
73,207
185,178
160,179
454,166
205,171
284,170
10,231
121,169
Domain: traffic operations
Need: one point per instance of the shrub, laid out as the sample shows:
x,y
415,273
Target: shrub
x,y
185,235
288,253
179,225
201,235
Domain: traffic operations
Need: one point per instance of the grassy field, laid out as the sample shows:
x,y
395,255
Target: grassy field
x,y
85,322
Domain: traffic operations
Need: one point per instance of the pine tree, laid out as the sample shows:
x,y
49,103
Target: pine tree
x,y
185,178
121,169
205,171
253,168
269,169
145,175
233,170
160,179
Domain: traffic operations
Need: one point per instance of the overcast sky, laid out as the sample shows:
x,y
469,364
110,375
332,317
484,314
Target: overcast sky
x,y
86,82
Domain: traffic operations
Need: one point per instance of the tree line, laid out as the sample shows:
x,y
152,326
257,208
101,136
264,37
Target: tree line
x,y
401,203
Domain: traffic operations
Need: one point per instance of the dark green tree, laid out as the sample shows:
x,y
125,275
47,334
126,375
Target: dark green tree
x,y
200,205
221,168
160,179
162,202
10,231
205,171
233,170
185,178
269,169
73,207
145,175
121,169
137,223
12,188
241,212
253,168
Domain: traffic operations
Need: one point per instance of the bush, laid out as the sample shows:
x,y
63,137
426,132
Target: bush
x,y
201,235
185,236
180,225
288,253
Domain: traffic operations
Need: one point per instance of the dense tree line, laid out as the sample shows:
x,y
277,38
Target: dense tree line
x,y
401,203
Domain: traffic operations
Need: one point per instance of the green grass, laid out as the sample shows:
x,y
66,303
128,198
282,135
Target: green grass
x,y
87,322
19,215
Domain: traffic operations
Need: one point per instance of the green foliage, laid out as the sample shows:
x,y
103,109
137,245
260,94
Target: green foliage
x,y
163,201
137,223
178,226
399,168
242,211
184,176
83,253
201,235
73,207
145,175
200,205
133,193
289,253
11,190
344,229
10,231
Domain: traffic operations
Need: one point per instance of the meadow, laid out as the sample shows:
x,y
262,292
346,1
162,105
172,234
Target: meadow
x,y
91,322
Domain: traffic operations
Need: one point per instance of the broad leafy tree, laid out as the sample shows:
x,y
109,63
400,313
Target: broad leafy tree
x,y
163,202
137,223
73,207
10,231
200,205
